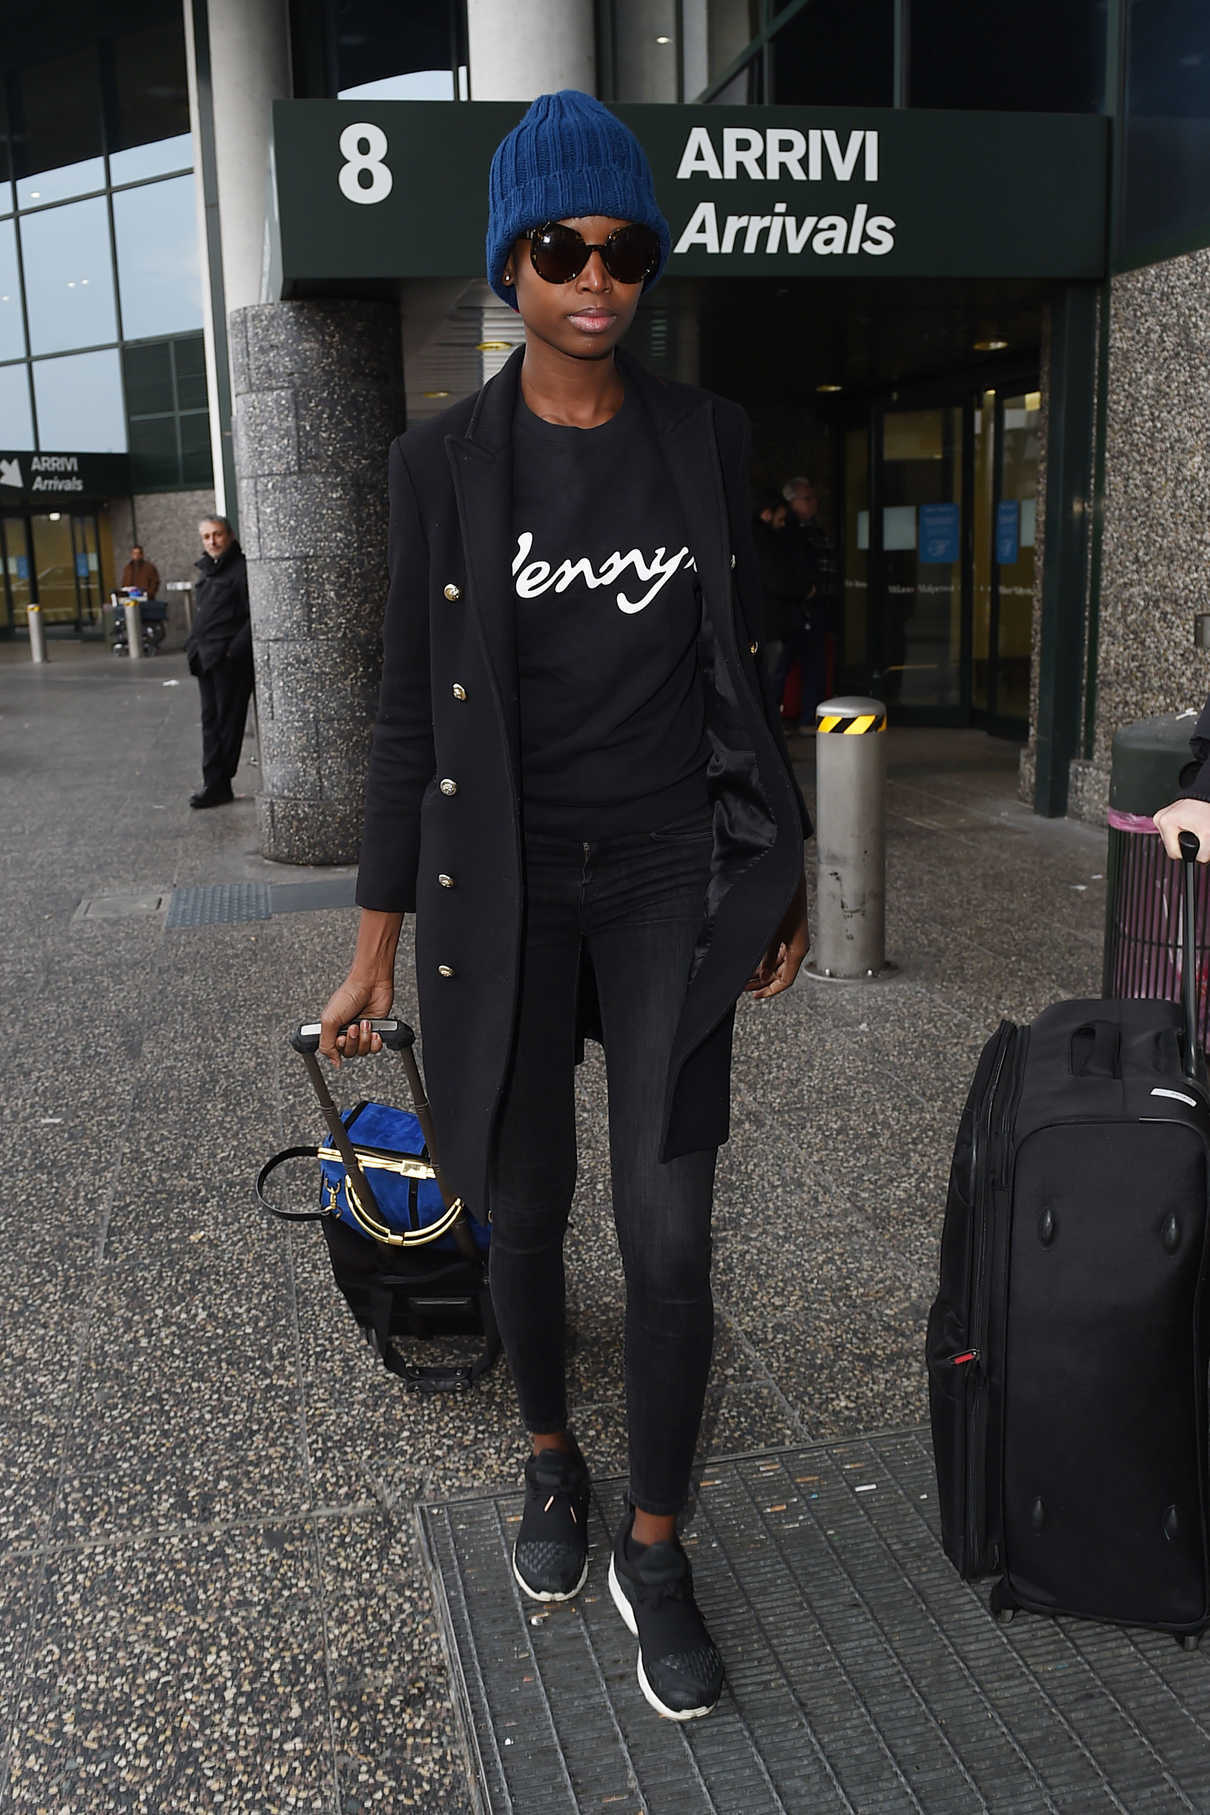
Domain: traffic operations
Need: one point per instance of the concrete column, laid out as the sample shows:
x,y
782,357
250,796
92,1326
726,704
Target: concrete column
x,y
318,400
645,67
216,354
1155,551
694,47
250,69
529,47
729,32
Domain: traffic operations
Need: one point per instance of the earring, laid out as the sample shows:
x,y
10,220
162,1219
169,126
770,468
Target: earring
x,y
506,278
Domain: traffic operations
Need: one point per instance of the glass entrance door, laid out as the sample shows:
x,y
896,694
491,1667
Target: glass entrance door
x,y
86,554
1019,446
940,522
55,568
16,592
918,638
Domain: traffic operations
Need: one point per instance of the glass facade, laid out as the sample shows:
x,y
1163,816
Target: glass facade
x,y
835,54
1166,162
12,316
69,288
98,238
159,280
78,402
1034,57
374,50
1037,56
169,424
15,411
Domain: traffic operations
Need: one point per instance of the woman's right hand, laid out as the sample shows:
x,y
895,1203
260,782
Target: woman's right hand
x,y
358,1001
1185,816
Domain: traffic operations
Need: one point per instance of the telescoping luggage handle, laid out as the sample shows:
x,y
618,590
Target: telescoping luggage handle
x,y
1194,1060
398,1037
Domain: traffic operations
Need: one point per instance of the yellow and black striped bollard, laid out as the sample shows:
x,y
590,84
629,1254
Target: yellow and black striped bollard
x,y
850,835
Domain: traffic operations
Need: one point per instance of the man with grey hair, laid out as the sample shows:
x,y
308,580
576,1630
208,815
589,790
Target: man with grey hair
x,y
219,649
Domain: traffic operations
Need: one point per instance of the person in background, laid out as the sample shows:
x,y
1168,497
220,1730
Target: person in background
x,y
1191,813
783,583
140,573
819,563
219,648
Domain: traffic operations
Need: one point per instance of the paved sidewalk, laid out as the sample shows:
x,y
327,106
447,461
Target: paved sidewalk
x,y
213,1595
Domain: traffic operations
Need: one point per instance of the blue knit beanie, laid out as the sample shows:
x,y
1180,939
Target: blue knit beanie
x,y
569,156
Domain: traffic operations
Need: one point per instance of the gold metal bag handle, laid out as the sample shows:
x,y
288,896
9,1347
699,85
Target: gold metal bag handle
x,y
370,1223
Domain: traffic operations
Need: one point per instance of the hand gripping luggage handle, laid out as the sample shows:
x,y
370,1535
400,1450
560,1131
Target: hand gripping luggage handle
x,y
400,1038
1194,1061
395,1034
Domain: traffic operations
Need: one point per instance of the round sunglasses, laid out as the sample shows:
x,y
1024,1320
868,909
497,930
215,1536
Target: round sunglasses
x,y
559,253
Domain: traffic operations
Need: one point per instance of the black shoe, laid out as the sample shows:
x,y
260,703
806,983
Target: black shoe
x,y
550,1557
680,1671
217,796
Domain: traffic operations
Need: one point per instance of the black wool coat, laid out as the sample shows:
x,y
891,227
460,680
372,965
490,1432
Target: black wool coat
x,y
442,832
222,627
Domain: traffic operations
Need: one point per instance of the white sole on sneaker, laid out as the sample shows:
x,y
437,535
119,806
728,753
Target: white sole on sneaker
x,y
627,1612
538,1594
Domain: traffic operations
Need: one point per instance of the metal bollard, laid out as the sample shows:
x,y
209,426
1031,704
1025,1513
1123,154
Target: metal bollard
x,y
850,839
134,630
185,588
37,635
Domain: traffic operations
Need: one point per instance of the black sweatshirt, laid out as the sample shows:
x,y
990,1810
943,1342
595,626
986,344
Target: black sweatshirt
x,y
608,610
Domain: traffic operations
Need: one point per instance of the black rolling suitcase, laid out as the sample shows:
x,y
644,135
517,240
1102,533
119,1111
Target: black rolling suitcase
x,y
1067,1345
407,1256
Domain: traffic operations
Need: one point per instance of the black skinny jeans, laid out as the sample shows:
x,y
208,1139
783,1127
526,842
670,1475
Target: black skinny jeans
x,y
636,903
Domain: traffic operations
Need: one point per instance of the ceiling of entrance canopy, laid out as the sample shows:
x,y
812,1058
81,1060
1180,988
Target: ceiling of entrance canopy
x,y
770,341
762,340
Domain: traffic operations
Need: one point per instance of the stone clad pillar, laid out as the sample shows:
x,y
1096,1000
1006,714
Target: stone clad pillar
x,y
318,399
1155,543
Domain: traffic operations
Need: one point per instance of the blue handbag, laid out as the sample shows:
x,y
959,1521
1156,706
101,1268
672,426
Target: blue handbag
x,y
394,1156
407,1256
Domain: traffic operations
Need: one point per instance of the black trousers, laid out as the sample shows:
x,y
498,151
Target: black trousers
x,y
636,903
226,689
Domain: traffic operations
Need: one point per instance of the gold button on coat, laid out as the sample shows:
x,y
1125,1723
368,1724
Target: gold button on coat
x,y
453,592
459,691
447,882
752,648
449,787
445,970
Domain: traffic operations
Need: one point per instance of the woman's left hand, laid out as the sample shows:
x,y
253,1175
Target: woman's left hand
x,y
787,949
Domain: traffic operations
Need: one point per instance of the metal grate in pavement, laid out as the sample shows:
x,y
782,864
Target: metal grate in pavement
x,y
218,904
863,1674
234,903
306,897
121,904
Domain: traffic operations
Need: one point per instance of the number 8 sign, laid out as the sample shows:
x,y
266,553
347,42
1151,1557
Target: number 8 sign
x,y
364,147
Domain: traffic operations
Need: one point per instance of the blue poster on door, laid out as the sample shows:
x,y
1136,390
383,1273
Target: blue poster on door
x,y
81,567
20,565
1008,531
937,534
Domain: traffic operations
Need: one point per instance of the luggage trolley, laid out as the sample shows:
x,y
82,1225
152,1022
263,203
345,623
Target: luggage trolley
x,y
153,617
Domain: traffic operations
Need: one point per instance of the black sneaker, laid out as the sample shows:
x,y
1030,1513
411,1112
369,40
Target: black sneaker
x,y
550,1557
680,1671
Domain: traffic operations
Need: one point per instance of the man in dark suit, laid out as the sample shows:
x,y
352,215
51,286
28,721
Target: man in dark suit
x,y
219,649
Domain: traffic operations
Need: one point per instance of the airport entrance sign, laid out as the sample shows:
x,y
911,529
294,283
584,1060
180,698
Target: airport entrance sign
x,y
365,194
